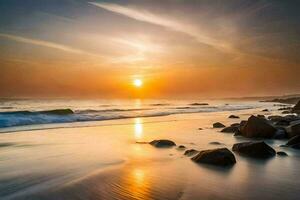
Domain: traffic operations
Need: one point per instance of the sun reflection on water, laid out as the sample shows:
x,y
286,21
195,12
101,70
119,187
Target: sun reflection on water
x,y
138,128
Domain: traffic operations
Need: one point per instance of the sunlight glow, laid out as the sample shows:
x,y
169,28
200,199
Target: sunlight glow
x,y
137,82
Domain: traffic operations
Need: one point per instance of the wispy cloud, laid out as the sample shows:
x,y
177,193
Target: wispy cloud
x,y
44,44
146,16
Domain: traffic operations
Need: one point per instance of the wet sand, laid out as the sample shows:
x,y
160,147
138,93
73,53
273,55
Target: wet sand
x,y
106,162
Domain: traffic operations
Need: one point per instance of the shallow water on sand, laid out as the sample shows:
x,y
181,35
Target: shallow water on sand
x,y
105,162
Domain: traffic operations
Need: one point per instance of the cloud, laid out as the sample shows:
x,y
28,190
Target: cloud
x,y
44,44
145,16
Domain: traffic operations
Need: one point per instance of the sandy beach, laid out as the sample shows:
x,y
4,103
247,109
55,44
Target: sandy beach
x,y
110,161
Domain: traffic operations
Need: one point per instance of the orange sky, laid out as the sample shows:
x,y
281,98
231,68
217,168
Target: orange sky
x,y
197,49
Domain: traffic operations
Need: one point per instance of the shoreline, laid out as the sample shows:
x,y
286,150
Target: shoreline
x,y
108,162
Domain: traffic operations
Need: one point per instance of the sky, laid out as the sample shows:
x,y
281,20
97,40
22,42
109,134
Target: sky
x,y
177,48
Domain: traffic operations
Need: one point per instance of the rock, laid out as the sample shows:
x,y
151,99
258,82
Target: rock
x,y
218,125
230,129
199,104
294,140
296,108
282,122
181,147
235,124
257,127
162,143
190,152
233,117
265,110
275,118
254,149
215,143
200,129
286,112
280,134
261,116
281,153
220,157
293,129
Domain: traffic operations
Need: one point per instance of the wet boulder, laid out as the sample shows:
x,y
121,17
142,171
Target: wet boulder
x,y
162,143
254,149
190,152
181,147
218,125
294,141
233,117
296,108
257,127
216,143
235,124
230,129
293,129
219,157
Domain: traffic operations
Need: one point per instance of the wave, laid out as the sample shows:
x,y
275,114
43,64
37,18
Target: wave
x,y
21,118
46,112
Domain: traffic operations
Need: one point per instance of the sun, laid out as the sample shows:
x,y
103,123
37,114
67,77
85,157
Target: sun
x,y
137,83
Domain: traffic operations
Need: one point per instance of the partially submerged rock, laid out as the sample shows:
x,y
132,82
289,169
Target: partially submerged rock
x,y
181,147
257,127
265,110
293,129
254,149
199,104
296,108
294,142
162,143
233,116
235,124
218,125
230,129
220,157
190,152
215,143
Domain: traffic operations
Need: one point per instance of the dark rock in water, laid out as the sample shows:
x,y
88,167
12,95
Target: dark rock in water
x,y
181,147
281,153
257,127
200,129
294,140
286,112
218,125
233,117
275,118
199,104
293,129
282,122
215,143
235,124
162,143
230,129
296,108
265,110
261,116
254,149
280,134
190,152
220,157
